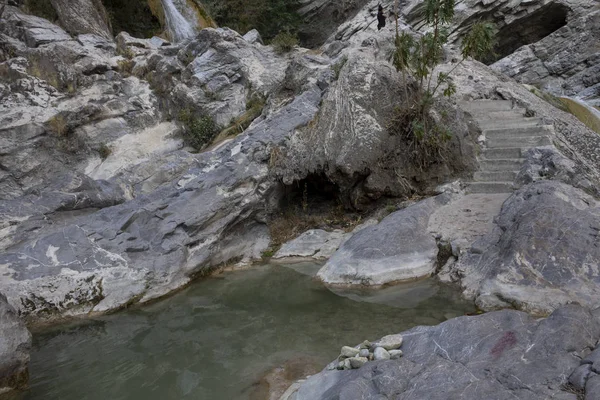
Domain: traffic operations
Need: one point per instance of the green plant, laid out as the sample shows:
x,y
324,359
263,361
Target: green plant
x,y
125,66
337,67
198,130
284,42
58,125
419,57
104,151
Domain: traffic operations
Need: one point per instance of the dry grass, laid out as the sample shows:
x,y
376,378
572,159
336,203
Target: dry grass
x,y
58,125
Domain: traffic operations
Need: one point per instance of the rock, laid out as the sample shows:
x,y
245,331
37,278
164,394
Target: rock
x,y
395,354
390,342
594,360
381,354
538,258
580,376
357,362
253,36
500,355
83,16
365,345
148,246
315,243
349,352
347,363
15,344
32,30
398,248
364,353
321,17
592,388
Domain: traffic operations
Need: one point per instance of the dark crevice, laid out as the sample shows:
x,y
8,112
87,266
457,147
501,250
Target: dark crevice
x,y
530,29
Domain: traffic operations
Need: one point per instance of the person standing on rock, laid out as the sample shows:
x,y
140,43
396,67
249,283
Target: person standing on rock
x,y
380,18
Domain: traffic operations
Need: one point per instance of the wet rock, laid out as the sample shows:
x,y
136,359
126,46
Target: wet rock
x,y
398,248
348,351
472,358
15,344
381,354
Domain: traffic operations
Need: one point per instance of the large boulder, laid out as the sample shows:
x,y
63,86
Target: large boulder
x,y
499,355
544,252
399,248
15,343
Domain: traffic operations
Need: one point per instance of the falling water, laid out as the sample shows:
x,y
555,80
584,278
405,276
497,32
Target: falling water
x,y
178,27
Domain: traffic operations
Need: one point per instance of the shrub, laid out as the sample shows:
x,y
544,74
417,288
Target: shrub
x,y
104,151
418,57
198,130
125,66
58,125
337,67
284,42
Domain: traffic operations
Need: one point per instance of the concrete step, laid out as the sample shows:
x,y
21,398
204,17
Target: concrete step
x,y
523,142
520,122
516,131
490,187
494,154
488,105
511,164
496,176
515,113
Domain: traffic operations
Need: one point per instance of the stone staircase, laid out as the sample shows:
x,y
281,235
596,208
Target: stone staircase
x,y
508,133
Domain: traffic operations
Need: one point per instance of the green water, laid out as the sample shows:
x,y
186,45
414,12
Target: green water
x,y
216,339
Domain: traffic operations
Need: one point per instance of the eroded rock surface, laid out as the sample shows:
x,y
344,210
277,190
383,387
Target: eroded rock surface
x,y
398,248
500,355
15,343
544,252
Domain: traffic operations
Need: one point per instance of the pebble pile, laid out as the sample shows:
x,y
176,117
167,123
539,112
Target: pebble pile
x,y
387,348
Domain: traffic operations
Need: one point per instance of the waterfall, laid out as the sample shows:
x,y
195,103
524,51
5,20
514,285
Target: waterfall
x,y
178,27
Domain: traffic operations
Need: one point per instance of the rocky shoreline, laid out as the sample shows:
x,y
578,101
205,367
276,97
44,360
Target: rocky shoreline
x,y
104,204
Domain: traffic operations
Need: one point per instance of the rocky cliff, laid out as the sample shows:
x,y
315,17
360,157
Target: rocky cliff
x,y
104,204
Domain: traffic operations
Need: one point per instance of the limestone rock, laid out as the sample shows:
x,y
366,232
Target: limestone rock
x,y
349,351
544,252
580,376
381,354
390,342
315,243
398,248
15,344
500,355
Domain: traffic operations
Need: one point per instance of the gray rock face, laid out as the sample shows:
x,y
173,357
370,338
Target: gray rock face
x,y
83,16
544,252
15,343
398,248
155,243
315,243
564,62
499,355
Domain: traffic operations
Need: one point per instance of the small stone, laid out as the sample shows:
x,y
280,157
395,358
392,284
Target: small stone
x,y
348,351
357,362
365,345
390,342
340,365
395,354
347,364
381,354
364,353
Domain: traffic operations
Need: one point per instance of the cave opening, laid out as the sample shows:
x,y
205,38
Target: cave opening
x,y
311,194
530,29
134,17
